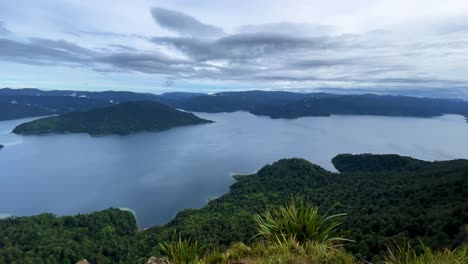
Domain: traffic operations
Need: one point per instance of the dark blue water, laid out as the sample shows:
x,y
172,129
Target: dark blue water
x,y
158,174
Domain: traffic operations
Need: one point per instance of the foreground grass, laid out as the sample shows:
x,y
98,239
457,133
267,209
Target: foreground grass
x,y
405,254
298,234
290,251
294,233
302,222
293,252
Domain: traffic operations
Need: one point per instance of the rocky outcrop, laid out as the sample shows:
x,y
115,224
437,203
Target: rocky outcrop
x,y
83,261
155,260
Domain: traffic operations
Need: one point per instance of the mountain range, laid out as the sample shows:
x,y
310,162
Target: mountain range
x,y
18,103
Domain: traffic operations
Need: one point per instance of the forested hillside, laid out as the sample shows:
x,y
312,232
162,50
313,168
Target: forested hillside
x,y
122,119
101,237
14,111
428,204
393,199
13,107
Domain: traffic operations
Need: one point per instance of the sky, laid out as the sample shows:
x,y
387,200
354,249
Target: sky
x,y
211,45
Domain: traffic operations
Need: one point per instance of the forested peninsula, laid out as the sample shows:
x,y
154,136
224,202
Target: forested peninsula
x,y
121,119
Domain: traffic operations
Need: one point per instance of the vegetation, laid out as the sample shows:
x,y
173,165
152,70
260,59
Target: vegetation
x,y
301,223
377,163
426,206
101,237
295,233
119,119
1,146
13,107
182,251
406,254
10,110
269,253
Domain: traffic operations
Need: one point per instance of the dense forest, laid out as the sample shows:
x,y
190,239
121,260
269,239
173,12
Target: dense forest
x,y
275,104
387,198
10,111
101,237
13,107
122,119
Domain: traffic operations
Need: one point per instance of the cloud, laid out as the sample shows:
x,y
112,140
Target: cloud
x,y
458,24
106,34
244,46
3,29
184,24
44,51
153,63
289,28
278,54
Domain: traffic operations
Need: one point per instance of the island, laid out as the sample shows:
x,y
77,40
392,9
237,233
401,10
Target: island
x,y
1,146
121,119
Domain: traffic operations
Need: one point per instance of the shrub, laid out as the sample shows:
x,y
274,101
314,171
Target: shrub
x,y
300,221
406,254
182,251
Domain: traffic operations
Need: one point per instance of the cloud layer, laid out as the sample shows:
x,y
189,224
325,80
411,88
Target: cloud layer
x,y
3,29
276,55
184,24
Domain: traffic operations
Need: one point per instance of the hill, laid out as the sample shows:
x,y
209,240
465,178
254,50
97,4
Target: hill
x,y
369,104
119,119
427,204
46,238
10,111
275,104
22,106
383,204
376,163
295,105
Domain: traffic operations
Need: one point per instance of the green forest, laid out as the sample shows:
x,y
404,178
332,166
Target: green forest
x,y
386,198
121,119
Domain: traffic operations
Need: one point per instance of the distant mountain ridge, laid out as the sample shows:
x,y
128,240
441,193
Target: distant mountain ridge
x,y
275,104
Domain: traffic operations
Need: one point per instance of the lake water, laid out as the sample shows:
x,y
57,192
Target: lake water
x,y
159,174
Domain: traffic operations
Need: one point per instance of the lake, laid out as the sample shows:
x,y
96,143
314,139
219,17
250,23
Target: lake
x,y
158,174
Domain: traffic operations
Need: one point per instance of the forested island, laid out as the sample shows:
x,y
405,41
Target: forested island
x,y
1,146
18,103
387,199
121,119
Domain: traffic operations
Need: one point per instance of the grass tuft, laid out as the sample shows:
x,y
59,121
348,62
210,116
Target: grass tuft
x,y
302,222
182,251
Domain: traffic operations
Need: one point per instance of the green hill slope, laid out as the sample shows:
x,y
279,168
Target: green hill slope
x,y
122,119
427,204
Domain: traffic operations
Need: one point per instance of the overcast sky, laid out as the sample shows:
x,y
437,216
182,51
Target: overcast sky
x,y
212,45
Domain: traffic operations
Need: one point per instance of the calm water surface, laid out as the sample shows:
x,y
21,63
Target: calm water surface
x,y
158,174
